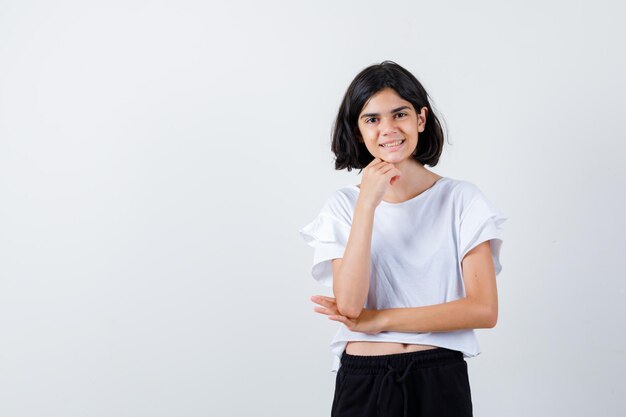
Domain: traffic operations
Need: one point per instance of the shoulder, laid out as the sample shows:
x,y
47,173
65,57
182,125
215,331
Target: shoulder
x,y
467,197
341,202
473,205
462,191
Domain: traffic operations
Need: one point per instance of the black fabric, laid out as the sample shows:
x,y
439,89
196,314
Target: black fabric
x,y
427,383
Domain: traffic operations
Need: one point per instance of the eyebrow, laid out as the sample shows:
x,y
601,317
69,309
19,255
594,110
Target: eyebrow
x,y
392,111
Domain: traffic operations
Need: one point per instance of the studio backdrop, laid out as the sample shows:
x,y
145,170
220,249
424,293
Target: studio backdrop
x,y
157,160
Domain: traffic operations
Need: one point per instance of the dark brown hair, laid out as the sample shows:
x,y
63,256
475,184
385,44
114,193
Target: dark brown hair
x,y
349,151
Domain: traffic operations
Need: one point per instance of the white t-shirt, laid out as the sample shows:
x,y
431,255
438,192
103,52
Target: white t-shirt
x,y
416,253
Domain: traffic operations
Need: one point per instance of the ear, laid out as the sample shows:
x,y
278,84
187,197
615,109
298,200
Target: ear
x,y
421,123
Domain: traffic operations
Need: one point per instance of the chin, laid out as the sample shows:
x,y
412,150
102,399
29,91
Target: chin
x,y
394,159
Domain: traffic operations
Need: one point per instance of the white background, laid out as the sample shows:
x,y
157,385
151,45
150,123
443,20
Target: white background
x,y
158,158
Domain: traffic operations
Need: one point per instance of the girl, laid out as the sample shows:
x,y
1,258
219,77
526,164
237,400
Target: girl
x,y
411,256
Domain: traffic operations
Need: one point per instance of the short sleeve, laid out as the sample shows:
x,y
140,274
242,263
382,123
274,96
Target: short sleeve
x,y
328,235
481,221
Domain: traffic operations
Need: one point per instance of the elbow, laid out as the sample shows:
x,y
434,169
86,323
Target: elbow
x,y
491,322
349,304
349,311
490,317
484,313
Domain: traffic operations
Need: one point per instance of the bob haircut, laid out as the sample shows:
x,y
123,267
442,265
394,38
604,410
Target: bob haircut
x,y
349,151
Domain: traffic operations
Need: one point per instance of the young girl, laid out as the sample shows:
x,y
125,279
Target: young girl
x,y
411,256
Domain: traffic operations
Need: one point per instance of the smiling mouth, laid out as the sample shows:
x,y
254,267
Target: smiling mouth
x,y
392,144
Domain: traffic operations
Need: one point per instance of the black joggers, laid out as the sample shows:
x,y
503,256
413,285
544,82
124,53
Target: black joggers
x,y
426,383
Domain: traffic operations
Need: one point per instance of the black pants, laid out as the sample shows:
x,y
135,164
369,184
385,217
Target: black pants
x,y
426,383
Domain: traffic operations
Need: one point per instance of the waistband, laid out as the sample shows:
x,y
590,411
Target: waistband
x,y
381,363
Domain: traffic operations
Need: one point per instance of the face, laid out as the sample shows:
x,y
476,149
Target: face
x,y
387,119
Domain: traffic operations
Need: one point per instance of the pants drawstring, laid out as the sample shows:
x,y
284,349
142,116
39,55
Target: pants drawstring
x,y
389,376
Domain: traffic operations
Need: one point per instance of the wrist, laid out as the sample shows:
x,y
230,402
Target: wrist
x,y
382,319
365,206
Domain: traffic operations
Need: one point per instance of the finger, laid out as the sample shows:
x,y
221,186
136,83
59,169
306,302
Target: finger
x,y
382,165
327,311
374,161
341,319
387,169
323,297
336,317
323,310
325,301
375,164
394,172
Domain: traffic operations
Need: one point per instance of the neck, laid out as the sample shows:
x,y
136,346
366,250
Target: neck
x,y
413,181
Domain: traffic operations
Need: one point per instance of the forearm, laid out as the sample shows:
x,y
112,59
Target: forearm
x,y
463,313
351,282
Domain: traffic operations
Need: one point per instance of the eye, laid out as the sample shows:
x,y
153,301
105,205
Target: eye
x,y
401,115
371,119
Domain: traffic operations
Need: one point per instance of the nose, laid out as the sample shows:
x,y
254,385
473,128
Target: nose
x,y
387,125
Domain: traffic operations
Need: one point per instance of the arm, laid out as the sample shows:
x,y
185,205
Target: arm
x,y
351,274
478,309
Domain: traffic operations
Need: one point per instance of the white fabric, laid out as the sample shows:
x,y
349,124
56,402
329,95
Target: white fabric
x,y
416,253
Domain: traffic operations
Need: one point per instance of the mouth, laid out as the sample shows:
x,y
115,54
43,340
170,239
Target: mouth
x,y
392,145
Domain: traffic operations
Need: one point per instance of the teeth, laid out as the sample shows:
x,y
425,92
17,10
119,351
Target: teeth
x,y
396,143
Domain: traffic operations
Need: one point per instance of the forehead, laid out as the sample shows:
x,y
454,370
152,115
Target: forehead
x,y
384,101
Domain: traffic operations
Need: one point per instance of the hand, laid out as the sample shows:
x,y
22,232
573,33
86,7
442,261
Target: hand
x,y
368,321
378,175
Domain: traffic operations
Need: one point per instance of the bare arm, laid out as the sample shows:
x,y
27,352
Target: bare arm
x,y
478,309
351,274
